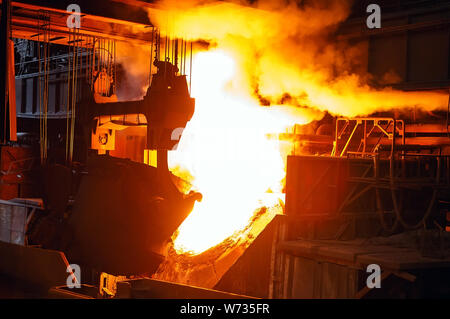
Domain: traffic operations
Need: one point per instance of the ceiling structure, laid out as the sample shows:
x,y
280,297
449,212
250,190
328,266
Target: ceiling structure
x,y
117,19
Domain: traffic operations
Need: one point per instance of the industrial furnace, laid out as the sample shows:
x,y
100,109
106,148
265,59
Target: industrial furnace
x,y
155,150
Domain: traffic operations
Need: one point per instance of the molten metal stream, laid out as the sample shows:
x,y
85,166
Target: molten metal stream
x,y
228,156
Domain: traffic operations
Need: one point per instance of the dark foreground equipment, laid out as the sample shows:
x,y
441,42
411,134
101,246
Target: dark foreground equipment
x,y
124,216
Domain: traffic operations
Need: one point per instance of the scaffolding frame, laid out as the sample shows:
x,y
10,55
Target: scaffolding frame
x,y
373,127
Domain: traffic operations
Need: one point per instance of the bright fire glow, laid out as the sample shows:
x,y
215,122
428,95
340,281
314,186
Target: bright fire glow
x,y
276,52
225,148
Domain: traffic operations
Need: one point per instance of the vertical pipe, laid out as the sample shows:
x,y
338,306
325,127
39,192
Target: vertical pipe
x,y
4,61
88,57
365,137
335,146
68,100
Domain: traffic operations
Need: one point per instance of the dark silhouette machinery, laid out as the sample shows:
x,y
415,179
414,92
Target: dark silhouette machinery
x,y
126,212
106,213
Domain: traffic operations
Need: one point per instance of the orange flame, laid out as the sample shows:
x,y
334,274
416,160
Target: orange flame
x,y
266,51
285,49
226,150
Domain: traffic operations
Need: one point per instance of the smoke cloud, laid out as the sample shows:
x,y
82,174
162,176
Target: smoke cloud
x,y
286,54
134,72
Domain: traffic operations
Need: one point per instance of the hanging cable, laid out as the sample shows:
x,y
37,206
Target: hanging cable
x,y
379,203
40,87
46,83
151,58
75,56
190,74
43,80
398,212
448,111
68,103
115,69
184,58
